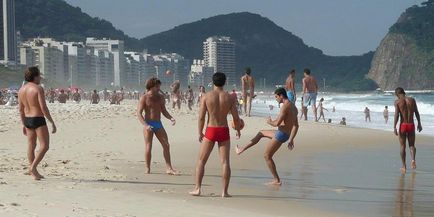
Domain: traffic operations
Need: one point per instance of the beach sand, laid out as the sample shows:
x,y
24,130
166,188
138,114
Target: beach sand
x,y
95,167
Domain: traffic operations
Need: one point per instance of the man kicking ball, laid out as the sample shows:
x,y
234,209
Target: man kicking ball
x,y
287,127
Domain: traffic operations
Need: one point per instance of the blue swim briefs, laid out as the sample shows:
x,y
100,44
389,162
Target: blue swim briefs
x,y
281,136
155,125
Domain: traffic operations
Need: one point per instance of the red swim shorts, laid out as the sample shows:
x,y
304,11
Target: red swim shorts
x,y
407,128
217,134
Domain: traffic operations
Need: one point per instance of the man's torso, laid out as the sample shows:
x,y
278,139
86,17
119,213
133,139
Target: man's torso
x,y
153,106
29,96
218,104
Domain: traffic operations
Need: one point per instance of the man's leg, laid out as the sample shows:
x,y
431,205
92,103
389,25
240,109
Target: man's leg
x,y
148,135
44,143
305,112
245,103
204,152
162,137
411,144
249,101
224,151
270,149
315,112
31,142
402,140
263,133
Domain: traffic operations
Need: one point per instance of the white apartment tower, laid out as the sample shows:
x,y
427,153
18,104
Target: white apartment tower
x,y
117,48
219,53
8,34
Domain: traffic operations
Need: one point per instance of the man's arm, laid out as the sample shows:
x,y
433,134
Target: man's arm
x,y
416,113
165,112
252,88
294,131
396,117
235,116
304,85
279,119
293,88
140,108
44,108
242,84
201,119
21,109
316,85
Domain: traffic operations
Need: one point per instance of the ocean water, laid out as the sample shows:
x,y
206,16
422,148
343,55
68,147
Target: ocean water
x,y
351,107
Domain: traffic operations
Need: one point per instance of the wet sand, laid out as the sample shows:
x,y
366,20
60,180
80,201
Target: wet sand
x,y
95,167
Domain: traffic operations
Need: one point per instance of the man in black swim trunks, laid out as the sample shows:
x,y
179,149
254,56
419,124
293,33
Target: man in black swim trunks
x,y
33,110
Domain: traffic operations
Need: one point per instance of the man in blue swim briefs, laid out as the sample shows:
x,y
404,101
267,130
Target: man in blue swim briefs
x,y
287,127
153,104
310,92
290,86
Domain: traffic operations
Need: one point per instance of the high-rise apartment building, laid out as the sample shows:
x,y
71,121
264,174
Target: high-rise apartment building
x,y
219,53
8,34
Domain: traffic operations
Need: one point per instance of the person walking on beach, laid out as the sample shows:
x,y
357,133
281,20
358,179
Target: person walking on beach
x,y
310,92
386,114
201,94
153,104
76,96
216,104
321,110
190,98
94,98
287,127
33,110
367,114
405,110
290,86
176,94
248,90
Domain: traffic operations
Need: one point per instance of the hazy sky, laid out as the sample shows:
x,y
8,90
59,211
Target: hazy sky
x,y
338,27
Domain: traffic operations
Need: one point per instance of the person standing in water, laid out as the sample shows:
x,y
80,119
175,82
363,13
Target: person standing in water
x,y
405,111
290,86
386,114
367,114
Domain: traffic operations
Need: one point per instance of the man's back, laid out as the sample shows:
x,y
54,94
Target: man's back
x,y
29,97
310,85
407,108
218,104
248,82
290,84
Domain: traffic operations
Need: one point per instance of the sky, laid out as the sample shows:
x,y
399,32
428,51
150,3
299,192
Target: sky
x,y
338,27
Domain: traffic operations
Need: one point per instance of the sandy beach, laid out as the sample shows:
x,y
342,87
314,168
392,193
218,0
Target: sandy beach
x,y
95,167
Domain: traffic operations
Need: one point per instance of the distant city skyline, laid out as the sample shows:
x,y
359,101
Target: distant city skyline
x,y
338,27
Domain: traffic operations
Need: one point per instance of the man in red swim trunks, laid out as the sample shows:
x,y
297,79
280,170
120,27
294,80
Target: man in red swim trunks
x,y
405,110
217,103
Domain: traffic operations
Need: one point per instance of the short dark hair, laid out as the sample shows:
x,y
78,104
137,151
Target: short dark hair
x,y
307,71
281,92
248,70
399,90
292,71
31,73
219,79
152,82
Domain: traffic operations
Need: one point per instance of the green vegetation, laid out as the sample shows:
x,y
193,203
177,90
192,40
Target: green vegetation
x,y
418,23
270,50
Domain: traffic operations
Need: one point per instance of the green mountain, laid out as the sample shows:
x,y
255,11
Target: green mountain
x,y
405,56
270,50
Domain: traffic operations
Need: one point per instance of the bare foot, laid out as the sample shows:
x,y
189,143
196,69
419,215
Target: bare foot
x,y
238,150
172,172
195,192
403,170
275,182
148,170
413,164
35,174
226,194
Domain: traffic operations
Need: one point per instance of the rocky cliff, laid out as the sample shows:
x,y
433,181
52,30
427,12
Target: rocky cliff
x,y
405,56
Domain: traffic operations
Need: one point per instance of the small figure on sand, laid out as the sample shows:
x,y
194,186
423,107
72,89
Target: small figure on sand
x,y
33,110
152,103
386,114
94,98
62,96
343,121
367,113
321,110
287,127
216,104
248,90
176,94
405,111
76,96
190,98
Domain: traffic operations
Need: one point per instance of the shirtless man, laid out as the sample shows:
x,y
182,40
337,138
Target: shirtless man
x,y
94,98
62,97
248,88
290,86
310,92
287,127
51,95
33,110
114,98
153,104
190,98
405,110
176,94
76,96
201,94
367,114
217,103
